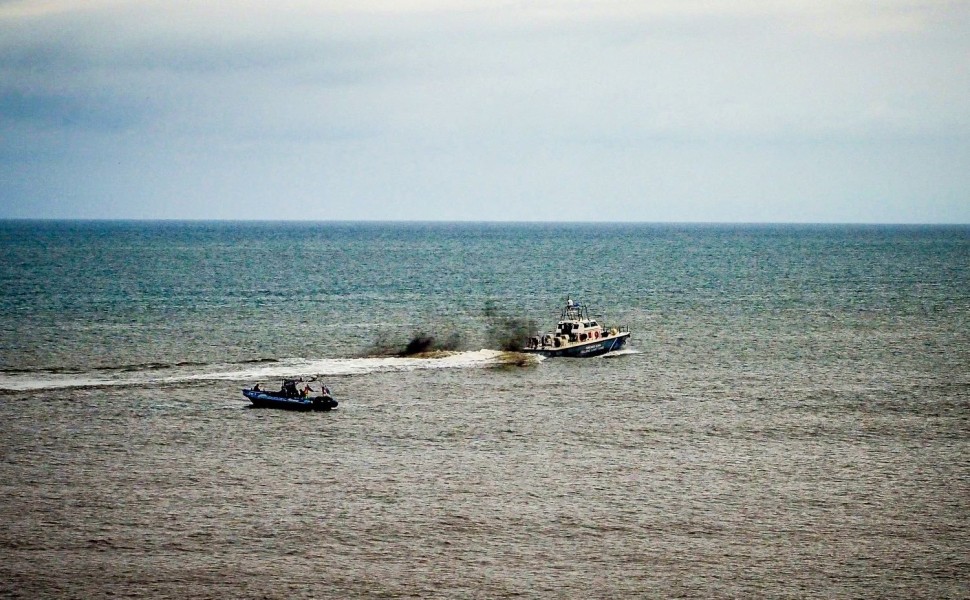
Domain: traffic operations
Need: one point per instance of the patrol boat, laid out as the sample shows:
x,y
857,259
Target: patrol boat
x,y
578,335
291,398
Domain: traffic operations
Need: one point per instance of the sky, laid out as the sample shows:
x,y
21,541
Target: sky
x,y
795,111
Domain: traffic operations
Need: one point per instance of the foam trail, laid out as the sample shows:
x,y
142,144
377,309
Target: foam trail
x,y
323,367
30,382
621,352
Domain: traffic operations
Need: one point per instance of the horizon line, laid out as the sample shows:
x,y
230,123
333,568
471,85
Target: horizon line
x,y
477,221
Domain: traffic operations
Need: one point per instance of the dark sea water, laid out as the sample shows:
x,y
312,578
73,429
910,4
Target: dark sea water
x,y
790,420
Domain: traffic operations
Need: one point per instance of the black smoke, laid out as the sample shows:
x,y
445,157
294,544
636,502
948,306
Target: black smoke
x,y
504,332
419,343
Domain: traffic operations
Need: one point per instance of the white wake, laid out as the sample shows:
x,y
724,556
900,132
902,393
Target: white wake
x,y
255,372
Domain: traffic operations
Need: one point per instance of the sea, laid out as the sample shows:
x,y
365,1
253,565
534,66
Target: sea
x,y
791,418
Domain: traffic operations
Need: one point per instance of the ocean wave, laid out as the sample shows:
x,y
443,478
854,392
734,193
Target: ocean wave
x,y
154,374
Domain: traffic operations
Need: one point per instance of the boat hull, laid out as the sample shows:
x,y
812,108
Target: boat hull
x,y
589,349
262,399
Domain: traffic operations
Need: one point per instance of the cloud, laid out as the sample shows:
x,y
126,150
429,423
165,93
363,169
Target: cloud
x,y
426,101
33,9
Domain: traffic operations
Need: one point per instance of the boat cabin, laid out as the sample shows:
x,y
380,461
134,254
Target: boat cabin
x,y
575,329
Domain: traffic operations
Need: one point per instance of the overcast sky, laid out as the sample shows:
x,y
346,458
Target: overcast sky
x,y
572,110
